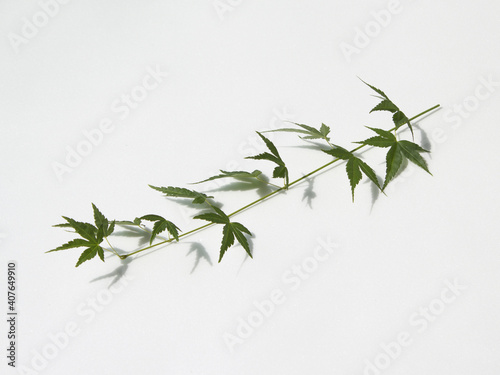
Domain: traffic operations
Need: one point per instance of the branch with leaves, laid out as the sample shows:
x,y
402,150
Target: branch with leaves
x,y
399,151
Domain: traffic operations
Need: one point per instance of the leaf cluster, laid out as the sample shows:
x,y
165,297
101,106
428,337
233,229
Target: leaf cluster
x,y
398,151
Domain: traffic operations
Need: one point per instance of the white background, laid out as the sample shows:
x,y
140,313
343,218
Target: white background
x,y
230,72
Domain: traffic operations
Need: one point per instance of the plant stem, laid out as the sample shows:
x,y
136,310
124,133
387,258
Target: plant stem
x,y
280,189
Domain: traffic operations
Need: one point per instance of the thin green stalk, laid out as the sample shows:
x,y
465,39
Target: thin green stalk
x,y
280,189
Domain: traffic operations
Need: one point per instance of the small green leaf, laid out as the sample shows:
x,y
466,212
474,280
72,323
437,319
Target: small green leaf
x,y
384,138
266,156
281,170
160,225
400,119
227,240
63,225
230,231
384,133
151,217
270,145
394,160
378,91
173,230
71,244
90,253
411,152
353,173
325,130
241,228
308,131
377,142
99,219
212,217
111,229
369,172
385,105
238,230
86,230
100,252
233,174
339,152
170,191
354,167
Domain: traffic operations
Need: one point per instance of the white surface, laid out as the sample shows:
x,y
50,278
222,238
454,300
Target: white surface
x,y
229,76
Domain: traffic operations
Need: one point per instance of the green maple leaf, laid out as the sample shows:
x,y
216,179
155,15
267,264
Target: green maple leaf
x,y
398,117
230,231
101,222
90,253
78,242
355,167
170,191
398,152
308,131
160,224
281,170
91,239
239,175
92,235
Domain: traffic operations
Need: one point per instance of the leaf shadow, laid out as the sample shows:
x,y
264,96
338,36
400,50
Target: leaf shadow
x,y
201,253
309,193
375,192
246,256
116,274
142,235
424,139
312,146
188,202
262,188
